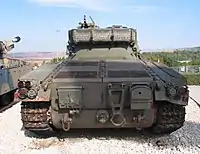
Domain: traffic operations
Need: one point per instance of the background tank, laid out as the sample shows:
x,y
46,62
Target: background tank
x,y
10,70
103,84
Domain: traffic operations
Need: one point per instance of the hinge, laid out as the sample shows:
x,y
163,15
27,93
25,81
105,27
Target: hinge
x,y
102,69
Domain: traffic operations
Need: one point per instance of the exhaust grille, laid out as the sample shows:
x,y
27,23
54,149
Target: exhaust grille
x,y
127,74
85,63
77,74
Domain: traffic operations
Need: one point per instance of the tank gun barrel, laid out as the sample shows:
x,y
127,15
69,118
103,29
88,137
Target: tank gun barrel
x,y
8,45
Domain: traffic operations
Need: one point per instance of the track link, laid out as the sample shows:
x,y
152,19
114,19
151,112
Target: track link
x,y
35,117
170,117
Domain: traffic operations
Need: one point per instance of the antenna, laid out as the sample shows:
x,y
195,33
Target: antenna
x,y
93,23
84,19
87,25
92,20
84,24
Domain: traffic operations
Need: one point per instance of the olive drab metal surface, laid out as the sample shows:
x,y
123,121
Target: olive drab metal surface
x,y
10,71
104,83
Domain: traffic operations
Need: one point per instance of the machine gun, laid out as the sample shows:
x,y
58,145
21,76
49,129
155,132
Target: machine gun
x,y
8,45
85,25
88,35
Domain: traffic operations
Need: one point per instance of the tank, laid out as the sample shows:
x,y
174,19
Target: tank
x,y
104,83
10,71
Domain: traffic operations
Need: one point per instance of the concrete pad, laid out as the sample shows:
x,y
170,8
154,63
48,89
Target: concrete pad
x,y
195,93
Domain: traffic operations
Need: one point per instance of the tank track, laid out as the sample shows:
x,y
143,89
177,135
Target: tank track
x,y
170,117
36,118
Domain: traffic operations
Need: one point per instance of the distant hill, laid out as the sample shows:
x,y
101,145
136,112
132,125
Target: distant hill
x,y
193,49
51,55
35,55
189,49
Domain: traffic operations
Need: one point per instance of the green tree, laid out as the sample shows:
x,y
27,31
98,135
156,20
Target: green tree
x,y
59,59
173,59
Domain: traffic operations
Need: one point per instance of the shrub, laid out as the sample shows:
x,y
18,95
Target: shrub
x,y
192,79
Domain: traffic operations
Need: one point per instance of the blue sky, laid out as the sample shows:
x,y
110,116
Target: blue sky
x,y
160,23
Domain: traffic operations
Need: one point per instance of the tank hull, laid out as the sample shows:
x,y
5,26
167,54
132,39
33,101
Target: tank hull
x,y
83,95
8,82
132,118
96,98
104,83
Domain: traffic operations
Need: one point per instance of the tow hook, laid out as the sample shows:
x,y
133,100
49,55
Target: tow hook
x,y
66,122
118,119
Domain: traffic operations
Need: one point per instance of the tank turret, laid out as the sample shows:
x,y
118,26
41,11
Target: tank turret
x,y
90,36
8,45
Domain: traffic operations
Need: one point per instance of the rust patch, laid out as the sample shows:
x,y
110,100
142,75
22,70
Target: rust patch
x,y
34,118
35,115
34,111
41,98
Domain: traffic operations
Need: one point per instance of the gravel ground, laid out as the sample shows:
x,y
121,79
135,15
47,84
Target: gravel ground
x,y
184,141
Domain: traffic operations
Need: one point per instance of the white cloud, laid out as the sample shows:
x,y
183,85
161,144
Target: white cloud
x,y
142,8
98,5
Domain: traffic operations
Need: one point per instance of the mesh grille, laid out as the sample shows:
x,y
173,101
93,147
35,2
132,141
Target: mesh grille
x,y
102,35
82,35
122,35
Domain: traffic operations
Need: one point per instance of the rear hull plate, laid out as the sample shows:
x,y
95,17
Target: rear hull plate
x,y
87,119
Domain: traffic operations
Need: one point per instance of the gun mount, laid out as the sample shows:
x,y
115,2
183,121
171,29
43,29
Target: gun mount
x,y
85,25
8,45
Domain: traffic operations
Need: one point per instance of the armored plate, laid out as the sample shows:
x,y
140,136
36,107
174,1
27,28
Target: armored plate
x,y
9,78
